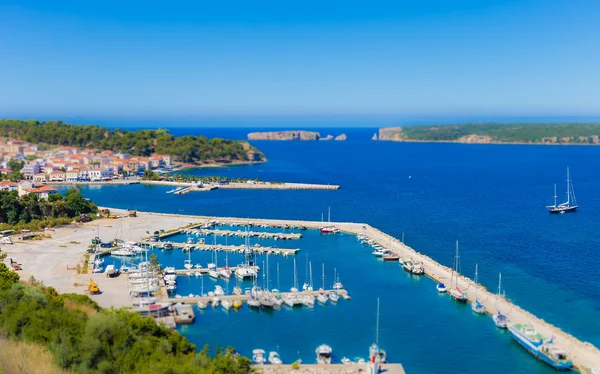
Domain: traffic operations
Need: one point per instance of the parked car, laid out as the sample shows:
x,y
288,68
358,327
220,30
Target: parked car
x,y
84,218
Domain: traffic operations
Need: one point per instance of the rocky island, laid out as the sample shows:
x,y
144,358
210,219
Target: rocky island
x,y
495,133
292,135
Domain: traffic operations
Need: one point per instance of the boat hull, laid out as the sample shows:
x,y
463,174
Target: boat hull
x,y
535,350
560,210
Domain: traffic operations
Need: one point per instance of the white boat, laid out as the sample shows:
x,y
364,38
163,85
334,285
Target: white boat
x,y
334,297
170,277
202,304
322,298
274,358
568,206
244,271
215,301
500,320
99,262
98,269
258,356
226,304
122,252
219,291
346,361
441,288
375,352
323,354
253,302
224,272
308,300
379,252
213,274
477,306
455,292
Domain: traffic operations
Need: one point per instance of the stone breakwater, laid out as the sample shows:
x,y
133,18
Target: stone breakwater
x,y
293,135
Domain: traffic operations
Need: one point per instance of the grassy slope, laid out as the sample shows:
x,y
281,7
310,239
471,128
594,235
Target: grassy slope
x,y
23,357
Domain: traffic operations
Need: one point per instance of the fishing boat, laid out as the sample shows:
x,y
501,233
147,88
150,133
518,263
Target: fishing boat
x,y
545,350
274,358
500,320
455,292
258,356
418,268
375,352
323,354
390,256
441,288
568,206
477,306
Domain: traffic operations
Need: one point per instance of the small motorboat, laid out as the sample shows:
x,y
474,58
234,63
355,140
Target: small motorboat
x,y
322,298
274,358
237,304
378,252
334,297
226,304
346,361
202,305
258,356
390,256
323,354
441,288
500,320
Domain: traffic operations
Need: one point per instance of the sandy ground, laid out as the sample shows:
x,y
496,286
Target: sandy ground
x,y
53,261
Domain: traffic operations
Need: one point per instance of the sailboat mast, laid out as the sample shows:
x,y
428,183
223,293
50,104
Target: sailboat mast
x,y
278,287
267,288
311,283
476,284
323,285
328,214
555,195
568,188
377,325
295,275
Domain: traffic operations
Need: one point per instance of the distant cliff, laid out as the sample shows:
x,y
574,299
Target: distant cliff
x,y
494,133
291,135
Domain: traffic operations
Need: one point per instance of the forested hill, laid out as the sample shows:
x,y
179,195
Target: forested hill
x,y
190,149
529,133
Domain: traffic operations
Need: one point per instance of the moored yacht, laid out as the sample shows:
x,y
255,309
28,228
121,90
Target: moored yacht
x,y
455,292
323,354
536,344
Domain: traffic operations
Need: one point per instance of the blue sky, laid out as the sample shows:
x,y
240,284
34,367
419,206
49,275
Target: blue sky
x,y
417,58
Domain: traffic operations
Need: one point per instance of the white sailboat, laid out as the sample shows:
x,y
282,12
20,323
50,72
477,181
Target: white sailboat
x,y
455,292
309,300
214,273
476,306
322,298
295,287
188,263
375,352
568,206
500,320
202,304
225,272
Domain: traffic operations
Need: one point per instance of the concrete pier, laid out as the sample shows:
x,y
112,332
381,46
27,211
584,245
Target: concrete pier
x,y
244,234
244,297
204,271
227,248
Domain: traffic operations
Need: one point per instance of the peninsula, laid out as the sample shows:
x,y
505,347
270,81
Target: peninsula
x,y
497,133
292,135
189,150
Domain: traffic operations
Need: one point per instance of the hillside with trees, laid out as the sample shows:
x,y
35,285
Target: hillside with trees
x,y
81,337
524,133
188,149
31,212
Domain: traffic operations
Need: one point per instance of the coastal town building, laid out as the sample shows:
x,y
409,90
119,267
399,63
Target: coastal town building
x,y
30,169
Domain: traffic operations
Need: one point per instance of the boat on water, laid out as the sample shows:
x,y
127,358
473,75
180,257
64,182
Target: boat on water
x,y
253,302
323,354
237,304
407,264
455,292
258,356
237,290
568,206
329,230
375,352
123,252
441,288
500,320
476,305
202,304
219,291
545,350
390,256
334,297
378,252
322,298
274,358
226,304
418,268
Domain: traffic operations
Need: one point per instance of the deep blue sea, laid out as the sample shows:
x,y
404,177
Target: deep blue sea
x,y
491,198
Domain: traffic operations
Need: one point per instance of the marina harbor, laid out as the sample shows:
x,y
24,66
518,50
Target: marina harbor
x,y
238,276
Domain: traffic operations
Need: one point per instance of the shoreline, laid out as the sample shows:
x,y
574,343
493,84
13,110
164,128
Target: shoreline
x,y
481,143
52,261
208,186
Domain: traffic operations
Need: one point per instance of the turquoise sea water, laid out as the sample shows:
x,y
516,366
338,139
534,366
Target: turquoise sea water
x,y
489,197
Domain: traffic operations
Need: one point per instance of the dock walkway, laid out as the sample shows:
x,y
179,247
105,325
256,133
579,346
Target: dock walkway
x,y
244,234
227,248
245,297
